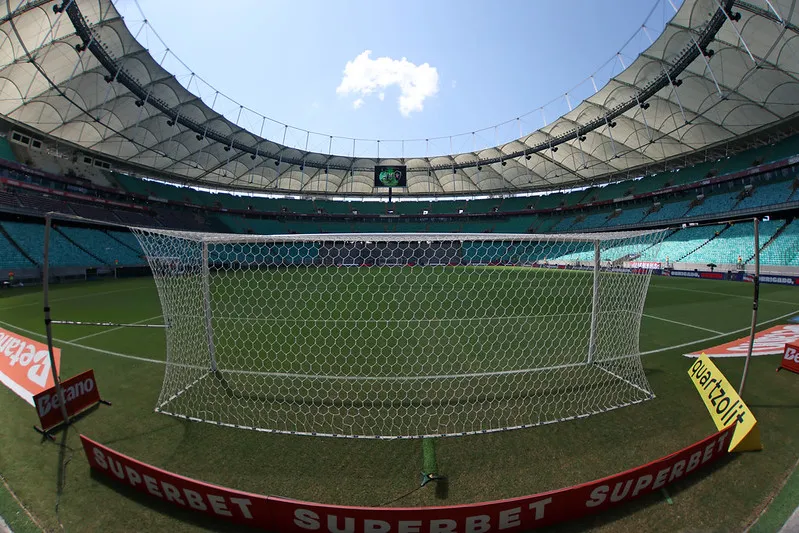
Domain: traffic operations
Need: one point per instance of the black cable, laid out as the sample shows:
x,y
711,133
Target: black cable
x,y
61,480
398,498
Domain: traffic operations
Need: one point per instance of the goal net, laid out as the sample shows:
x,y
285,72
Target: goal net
x,y
399,335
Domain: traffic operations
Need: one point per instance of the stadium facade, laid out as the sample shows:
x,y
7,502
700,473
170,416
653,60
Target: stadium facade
x,y
722,77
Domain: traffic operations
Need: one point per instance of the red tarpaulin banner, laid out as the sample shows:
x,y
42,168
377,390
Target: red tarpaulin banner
x,y
25,365
767,342
516,514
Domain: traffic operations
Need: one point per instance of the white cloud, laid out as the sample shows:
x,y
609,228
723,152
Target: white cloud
x,y
357,103
382,96
364,75
454,83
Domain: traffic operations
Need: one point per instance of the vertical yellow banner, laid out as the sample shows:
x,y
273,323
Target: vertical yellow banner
x,y
724,405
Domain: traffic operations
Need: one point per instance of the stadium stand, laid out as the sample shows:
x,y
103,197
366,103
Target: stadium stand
x,y
127,239
764,195
30,237
681,243
103,246
5,150
10,257
668,211
631,215
784,249
718,203
736,241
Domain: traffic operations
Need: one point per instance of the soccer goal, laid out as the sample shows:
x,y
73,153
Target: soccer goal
x,y
399,335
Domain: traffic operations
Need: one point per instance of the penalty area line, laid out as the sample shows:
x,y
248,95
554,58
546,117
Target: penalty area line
x,y
683,324
160,362
82,346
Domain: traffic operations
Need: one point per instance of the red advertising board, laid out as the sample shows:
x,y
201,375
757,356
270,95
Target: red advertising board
x,y
80,393
790,358
25,365
233,505
516,514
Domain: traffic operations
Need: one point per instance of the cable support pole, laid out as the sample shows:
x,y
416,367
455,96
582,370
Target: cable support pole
x,y
755,301
47,325
107,324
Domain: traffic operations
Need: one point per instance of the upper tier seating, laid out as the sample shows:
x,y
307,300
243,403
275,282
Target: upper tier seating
x,y
767,194
5,150
668,211
717,203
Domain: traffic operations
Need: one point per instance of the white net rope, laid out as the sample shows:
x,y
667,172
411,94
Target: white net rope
x,y
399,335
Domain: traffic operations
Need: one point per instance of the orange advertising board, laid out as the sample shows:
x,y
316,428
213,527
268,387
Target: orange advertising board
x,y
25,365
767,342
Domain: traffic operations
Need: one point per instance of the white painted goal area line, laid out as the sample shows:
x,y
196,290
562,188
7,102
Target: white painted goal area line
x,y
161,362
103,332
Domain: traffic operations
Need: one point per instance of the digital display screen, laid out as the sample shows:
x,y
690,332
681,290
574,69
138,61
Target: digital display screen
x,y
391,176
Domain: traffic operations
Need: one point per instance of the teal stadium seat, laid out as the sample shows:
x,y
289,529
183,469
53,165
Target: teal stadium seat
x,y
784,250
102,245
10,257
30,237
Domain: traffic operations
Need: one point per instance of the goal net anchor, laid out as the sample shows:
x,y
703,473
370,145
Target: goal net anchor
x,y
486,333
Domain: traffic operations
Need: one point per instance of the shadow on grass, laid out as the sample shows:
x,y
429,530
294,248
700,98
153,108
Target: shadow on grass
x,y
626,510
194,518
774,406
151,431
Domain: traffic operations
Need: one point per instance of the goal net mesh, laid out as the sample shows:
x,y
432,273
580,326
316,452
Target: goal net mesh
x,y
399,335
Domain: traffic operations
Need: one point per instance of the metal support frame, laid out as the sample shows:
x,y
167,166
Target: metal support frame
x,y
755,300
594,305
48,322
209,328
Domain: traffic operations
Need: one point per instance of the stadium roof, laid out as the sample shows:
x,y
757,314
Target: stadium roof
x,y
720,70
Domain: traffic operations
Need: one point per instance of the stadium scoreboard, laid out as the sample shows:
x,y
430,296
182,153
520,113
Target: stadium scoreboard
x,y
391,176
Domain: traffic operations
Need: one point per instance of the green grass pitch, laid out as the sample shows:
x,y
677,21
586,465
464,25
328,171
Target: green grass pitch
x,y
130,372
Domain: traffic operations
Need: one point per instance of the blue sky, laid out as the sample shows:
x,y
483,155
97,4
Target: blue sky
x,y
469,64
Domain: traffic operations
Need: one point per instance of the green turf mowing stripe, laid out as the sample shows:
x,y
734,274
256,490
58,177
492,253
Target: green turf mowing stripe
x,y
781,508
429,465
15,516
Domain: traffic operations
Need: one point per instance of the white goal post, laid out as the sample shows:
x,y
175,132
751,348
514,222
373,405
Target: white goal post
x,y
399,335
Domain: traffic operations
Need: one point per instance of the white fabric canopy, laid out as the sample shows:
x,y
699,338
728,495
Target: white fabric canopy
x,y
115,100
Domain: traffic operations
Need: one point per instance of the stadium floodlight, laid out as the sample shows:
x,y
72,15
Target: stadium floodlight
x,y
398,335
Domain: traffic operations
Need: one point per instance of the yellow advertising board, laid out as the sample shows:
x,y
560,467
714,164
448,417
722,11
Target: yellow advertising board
x,y
724,405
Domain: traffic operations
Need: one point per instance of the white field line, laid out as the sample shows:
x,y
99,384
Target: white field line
x,y
714,337
160,362
656,286
683,324
82,346
67,298
90,335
